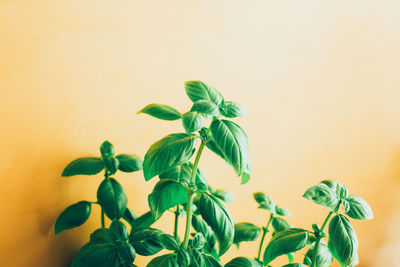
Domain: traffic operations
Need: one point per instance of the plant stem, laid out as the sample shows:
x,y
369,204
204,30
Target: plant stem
x,y
177,213
190,196
265,231
319,237
102,218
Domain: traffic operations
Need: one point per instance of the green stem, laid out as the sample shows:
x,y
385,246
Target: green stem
x,y
102,218
265,231
319,237
177,213
190,196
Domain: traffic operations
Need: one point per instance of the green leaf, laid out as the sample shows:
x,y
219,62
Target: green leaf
x,y
73,216
323,195
107,150
182,175
101,235
359,208
112,198
192,121
197,259
126,252
168,260
245,231
324,256
232,142
166,194
343,240
170,151
198,241
224,195
118,231
84,166
144,221
129,216
202,227
232,110
294,265
214,148
129,162
210,261
146,241
284,242
183,258
219,219
197,90
111,164
279,224
243,262
97,254
161,111
206,107
169,242
282,211
265,202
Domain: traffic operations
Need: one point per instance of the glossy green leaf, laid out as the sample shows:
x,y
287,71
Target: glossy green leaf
x,y
129,216
111,165
112,198
210,261
245,231
265,202
202,227
198,90
197,259
129,162
280,224
224,195
198,241
84,166
359,208
232,142
182,175
217,216
146,241
126,253
232,110
294,265
118,231
169,242
324,256
214,148
97,254
323,195
168,260
107,150
192,121
73,216
144,221
170,151
284,242
183,258
101,235
166,194
243,262
282,211
161,111
206,107
343,239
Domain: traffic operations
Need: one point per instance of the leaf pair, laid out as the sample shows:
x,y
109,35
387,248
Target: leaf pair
x,y
94,165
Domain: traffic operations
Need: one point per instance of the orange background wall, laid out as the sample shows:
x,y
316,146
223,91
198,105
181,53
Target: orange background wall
x,y
319,80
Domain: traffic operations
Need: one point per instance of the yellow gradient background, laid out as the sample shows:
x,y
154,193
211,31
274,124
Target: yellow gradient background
x,y
319,80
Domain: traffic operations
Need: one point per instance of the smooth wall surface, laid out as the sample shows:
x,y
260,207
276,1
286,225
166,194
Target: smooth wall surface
x,y
319,80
